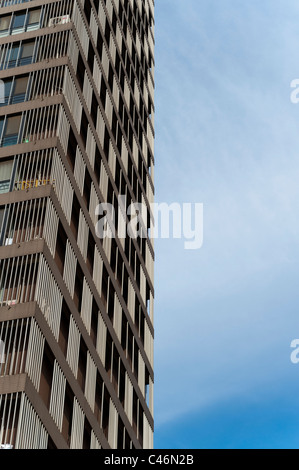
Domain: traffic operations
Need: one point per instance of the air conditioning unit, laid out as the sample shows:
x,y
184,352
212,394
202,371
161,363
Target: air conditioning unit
x,y
9,303
59,20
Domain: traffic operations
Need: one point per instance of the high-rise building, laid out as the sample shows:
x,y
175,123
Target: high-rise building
x,y
76,307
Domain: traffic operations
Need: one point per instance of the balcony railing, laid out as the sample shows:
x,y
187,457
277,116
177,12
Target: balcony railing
x,y
22,29
16,62
15,99
9,140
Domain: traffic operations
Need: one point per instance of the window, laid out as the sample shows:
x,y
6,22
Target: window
x,y
2,211
6,92
9,130
12,125
1,216
5,177
13,56
19,89
4,25
15,89
33,19
20,53
19,22
2,119
26,53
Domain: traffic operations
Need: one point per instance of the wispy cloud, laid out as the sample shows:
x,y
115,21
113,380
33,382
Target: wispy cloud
x,y
227,136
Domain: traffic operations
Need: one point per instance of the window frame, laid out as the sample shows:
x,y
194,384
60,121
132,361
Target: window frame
x,y
11,97
15,137
6,183
12,30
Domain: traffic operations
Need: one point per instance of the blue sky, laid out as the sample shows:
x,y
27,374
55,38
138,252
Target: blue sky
x,y
227,136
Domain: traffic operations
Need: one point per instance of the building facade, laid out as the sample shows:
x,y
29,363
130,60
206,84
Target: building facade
x,y
76,308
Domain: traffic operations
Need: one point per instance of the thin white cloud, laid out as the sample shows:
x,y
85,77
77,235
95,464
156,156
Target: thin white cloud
x,y
227,136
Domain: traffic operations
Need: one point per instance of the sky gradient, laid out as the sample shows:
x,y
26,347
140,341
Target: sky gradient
x,y
227,136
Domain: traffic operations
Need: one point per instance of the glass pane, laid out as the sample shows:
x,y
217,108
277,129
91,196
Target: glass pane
x,y
5,170
5,175
18,94
1,125
6,91
2,91
1,217
14,52
5,22
27,50
13,125
4,186
7,86
18,20
20,85
34,16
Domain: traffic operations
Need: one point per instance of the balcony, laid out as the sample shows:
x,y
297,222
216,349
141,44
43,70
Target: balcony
x,y
17,280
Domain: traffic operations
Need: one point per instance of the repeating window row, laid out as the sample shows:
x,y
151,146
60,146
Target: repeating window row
x,y
20,21
19,54
102,50
6,3
31,125
35,170
141,57
28,278
130,69
45,167
18,89
24,344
